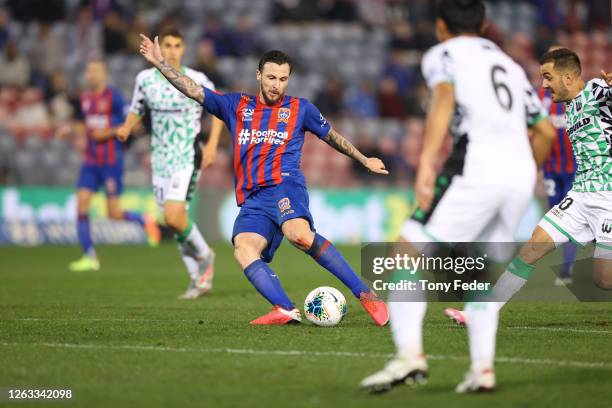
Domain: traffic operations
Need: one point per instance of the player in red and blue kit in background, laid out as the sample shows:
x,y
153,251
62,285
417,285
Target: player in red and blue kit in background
x,y
559,170
102,110
267,137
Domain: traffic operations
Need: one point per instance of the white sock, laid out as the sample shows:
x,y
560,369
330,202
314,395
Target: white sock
x,y
506,286
196,241
482,318
192,265
407,327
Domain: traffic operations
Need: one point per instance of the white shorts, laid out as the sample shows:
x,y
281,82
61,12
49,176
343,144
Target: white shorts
x,y
582,218
470,211
180,186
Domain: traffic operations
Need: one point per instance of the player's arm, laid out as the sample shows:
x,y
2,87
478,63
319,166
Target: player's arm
x,y
100,135
436,127
210,149
124,131
543,135
151,52
341,144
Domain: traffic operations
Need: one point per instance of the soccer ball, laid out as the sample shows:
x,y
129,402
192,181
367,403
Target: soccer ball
x,y
325,306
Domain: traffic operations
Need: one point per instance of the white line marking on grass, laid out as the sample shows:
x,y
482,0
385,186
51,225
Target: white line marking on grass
x,y
510,360
195,320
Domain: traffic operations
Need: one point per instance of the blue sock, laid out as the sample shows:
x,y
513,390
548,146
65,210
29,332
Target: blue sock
x,y
326,255
84,235
267,283
133,217
569,255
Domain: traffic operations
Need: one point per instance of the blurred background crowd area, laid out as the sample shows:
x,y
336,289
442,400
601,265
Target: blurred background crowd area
x,y
357,60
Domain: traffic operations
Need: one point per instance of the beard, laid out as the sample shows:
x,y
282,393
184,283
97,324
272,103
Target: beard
x,y
561,94
269,101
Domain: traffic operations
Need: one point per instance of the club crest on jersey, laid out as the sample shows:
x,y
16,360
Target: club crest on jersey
x,y
283,115
284,204
578,106
247,114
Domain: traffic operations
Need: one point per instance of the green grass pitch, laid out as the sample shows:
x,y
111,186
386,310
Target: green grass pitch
x,y
119,337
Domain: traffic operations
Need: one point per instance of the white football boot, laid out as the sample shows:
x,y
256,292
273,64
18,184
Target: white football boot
x,y
477,381
400,370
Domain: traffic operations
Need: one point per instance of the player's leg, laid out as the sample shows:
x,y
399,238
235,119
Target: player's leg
x,y
599,213
289,206
256,238
87,184
175,192
113,184
562,184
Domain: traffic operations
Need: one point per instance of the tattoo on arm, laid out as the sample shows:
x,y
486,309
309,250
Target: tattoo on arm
x,y
182,82
339,142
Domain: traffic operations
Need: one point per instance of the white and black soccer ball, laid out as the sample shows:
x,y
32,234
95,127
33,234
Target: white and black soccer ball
x,y
325,306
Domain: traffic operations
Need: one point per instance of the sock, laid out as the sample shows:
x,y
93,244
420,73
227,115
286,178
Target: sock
x,y
482,329
191,264
569,255
511,281
194,239
407,327
406,312
84,235
133,217
329,258
267,284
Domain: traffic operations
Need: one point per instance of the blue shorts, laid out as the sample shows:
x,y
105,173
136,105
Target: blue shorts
x,y
94,176
265,211
557,186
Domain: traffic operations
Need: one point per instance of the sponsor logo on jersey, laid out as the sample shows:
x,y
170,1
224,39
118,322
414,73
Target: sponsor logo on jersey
x,y
322,119
283,115
578,106
606,227
270,136
578,125
247,114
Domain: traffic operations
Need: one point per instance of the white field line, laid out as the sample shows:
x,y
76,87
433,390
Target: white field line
x,y
510,360
128,320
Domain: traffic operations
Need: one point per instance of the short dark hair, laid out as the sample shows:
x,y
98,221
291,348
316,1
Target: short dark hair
x,y
461,16
277,57
563,59
171,32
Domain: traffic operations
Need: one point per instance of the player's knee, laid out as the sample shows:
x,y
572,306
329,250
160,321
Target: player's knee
x,y
602,277
244,252
300,238
115,215
538,245
172,219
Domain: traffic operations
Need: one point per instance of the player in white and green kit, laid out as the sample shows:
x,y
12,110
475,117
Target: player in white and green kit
x,y
585,214
176,156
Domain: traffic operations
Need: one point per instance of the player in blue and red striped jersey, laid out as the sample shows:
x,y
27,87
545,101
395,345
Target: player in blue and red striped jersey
x,y
267,137
102,111
559,170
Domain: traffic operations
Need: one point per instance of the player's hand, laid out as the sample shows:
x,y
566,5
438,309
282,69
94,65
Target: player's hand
x,y
209,153
150,50
122,133
425,183
606,77
376,165
98,135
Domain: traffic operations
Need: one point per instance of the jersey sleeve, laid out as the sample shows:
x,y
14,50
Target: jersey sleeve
x,y
437,66
534,107
205,81
601,90
138,105
315,122
119,109
218,104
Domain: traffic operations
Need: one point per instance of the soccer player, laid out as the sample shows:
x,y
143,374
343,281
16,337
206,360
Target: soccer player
x,y
559,173
267,137
102,109
585,214
177,156
486,185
